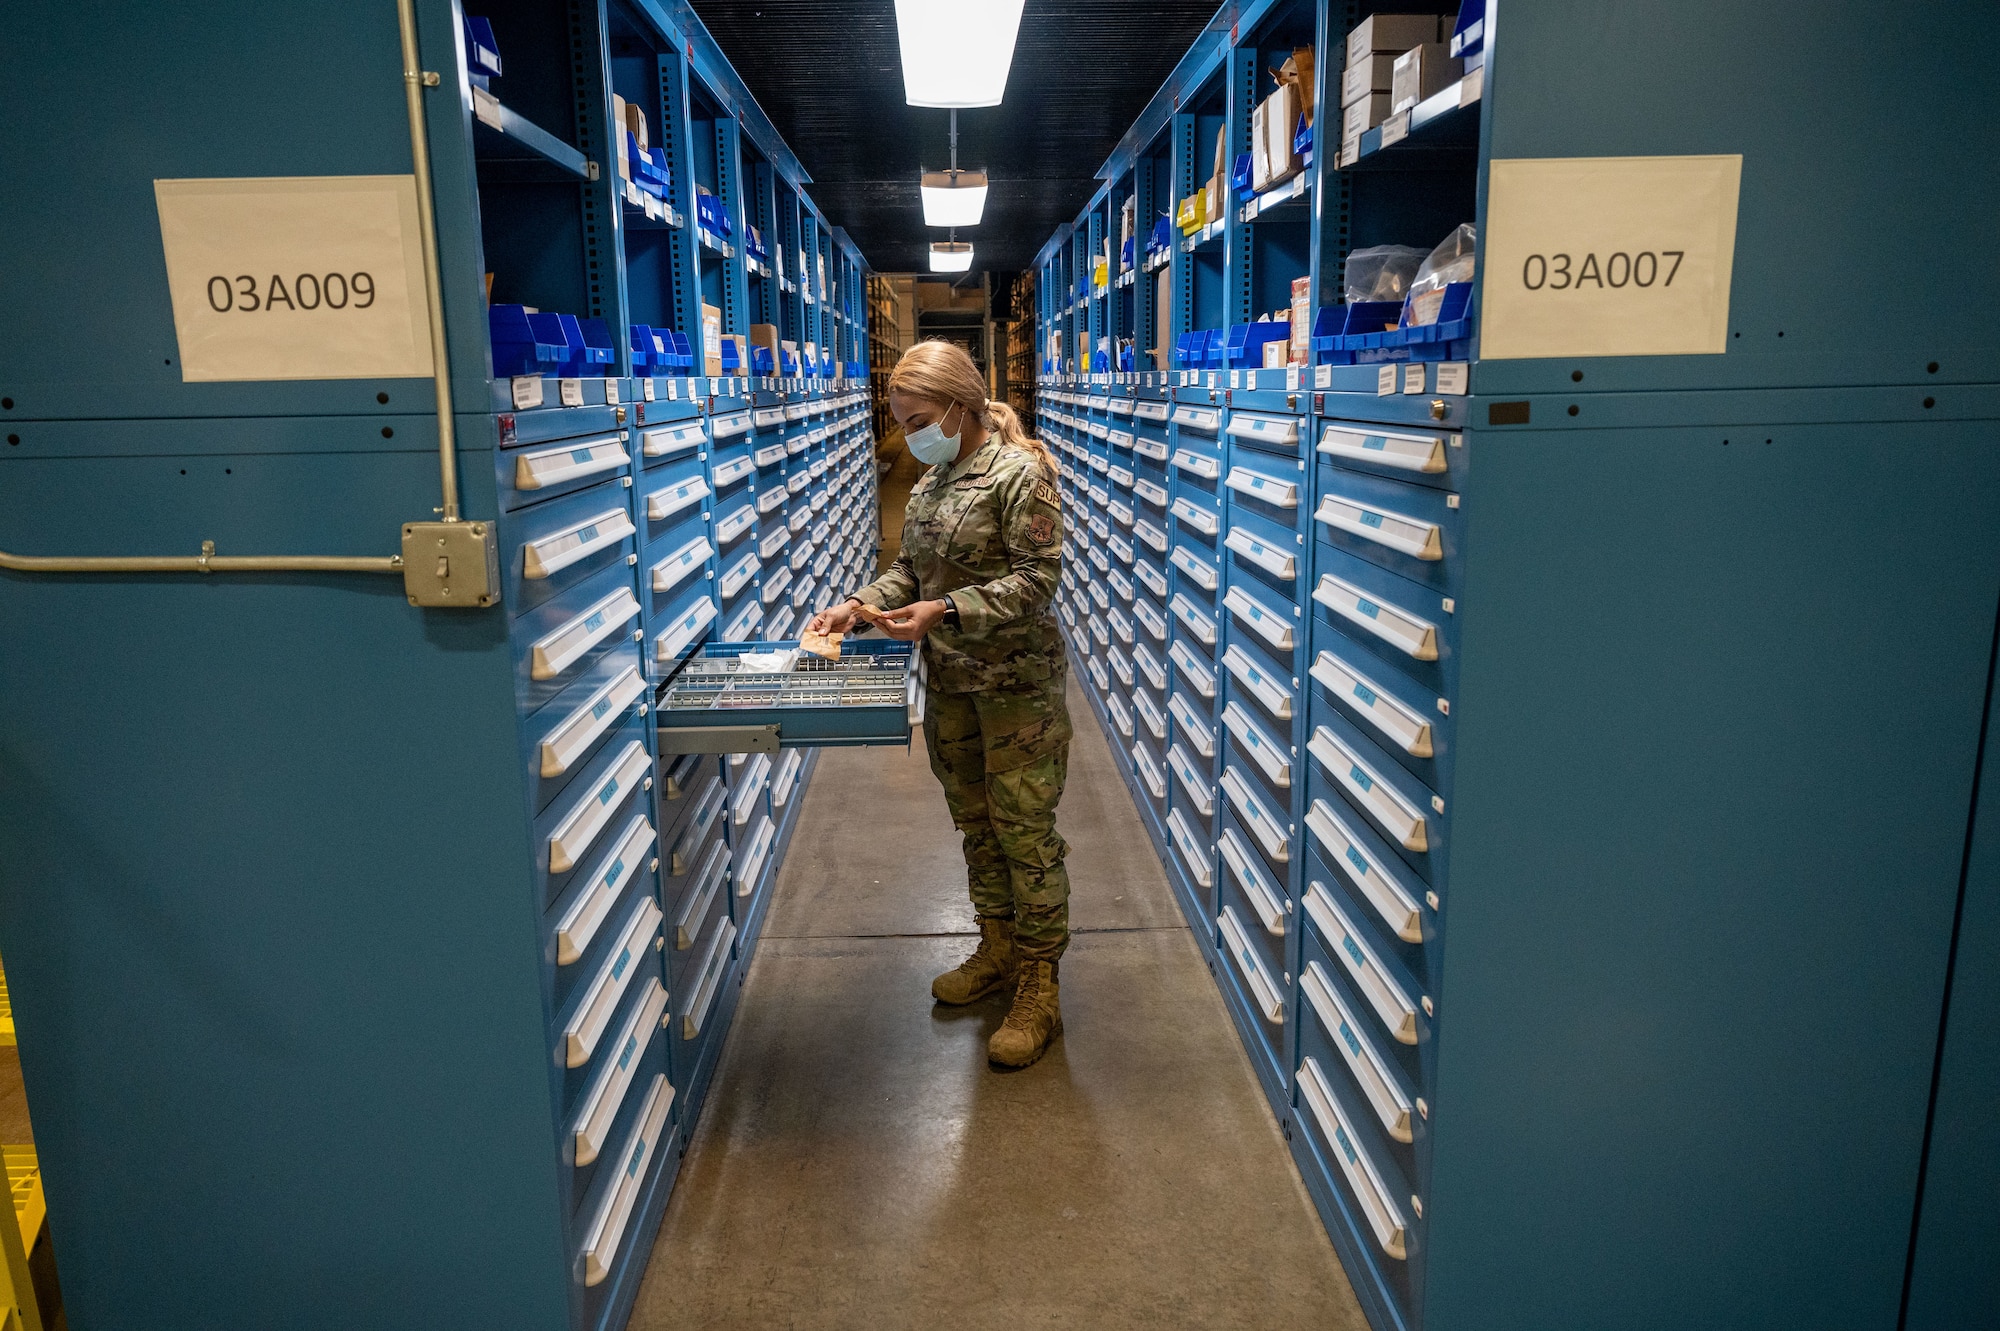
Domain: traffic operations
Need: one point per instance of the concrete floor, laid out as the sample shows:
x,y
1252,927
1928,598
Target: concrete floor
x,y
859,1164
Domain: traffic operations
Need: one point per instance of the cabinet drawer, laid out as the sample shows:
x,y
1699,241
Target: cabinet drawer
x,y
538,473
1272,494
1374,1076
1198,626
1276,628
1273,434
639,1154
1151,775
1263,989
558,642
1395,811
752,855
1266,898
565,735
686,631
1373,879
1193,780
1410,454
1193,849
672,441
1271,756
1402,629
706,981
1265,824
735,521
1395,723
1350,946
553,546
689,847
1152,577
1149,665
1377,1201
590,1126
1258,682
1192,667
580,821
593,1010
1151,717
685,562
577,926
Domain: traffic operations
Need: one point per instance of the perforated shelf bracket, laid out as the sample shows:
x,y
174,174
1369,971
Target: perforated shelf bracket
x,y
718,739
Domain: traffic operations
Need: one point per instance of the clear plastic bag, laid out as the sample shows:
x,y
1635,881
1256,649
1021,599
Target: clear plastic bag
x,y
1381,272
1450,262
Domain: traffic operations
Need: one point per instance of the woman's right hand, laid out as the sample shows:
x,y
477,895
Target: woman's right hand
x,y
835,618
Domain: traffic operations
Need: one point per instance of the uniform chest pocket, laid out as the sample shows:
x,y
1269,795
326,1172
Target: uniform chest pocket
x,y
959,525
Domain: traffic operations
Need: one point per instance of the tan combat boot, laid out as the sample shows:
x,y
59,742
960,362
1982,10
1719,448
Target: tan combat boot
x,y
1035,1019
992,964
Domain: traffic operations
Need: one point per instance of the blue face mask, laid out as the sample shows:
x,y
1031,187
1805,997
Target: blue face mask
x,y
931,445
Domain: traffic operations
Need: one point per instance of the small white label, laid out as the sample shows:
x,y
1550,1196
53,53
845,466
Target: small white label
x,y
673,390
295,277
1396,128
1292,379
611,392
1322,376
527,391
486,107
1413,377
1385,380
647,384
572,392
1608,256
1236,378
1451,378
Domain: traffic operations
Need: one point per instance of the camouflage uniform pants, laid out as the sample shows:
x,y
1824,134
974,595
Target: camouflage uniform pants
x,y
1002,755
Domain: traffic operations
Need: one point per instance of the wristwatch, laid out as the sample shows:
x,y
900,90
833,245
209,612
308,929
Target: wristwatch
x,y
951,620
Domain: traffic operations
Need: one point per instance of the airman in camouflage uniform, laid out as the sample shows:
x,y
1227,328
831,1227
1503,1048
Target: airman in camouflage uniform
x,y
986,534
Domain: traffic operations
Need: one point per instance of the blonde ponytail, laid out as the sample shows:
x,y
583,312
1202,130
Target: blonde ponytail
x,y
943,372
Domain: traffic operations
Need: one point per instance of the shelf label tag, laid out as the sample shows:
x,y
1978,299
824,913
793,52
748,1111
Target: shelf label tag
x,y
1322,376
296,277
1385,380
527,390
572,392
1608,256
1451,378
1413,377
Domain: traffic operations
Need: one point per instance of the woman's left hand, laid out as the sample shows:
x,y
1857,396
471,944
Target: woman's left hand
x,y
912,622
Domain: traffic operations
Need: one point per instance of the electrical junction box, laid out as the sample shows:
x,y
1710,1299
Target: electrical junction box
x,y
451,564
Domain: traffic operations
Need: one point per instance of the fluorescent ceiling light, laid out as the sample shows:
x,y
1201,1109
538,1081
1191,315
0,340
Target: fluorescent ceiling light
x,y
954,198
956,52
951,256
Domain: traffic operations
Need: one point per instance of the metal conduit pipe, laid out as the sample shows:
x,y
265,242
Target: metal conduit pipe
x,y
415,80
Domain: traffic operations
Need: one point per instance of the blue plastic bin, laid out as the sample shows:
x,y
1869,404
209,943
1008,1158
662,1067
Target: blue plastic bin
x,y
517,347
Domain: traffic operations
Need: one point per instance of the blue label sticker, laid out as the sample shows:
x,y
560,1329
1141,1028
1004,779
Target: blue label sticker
x,y
1348,1038
638,1158
1354,858
588,534
1367,607
594,623
1369,519
1365,694
1360,778
618,966
1346,1147
1349,946
625,1057
611,874
579,455
597,712
1375,443
610,790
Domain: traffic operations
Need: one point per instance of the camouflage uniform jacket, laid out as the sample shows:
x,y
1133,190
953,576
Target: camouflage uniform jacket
x,y
988,532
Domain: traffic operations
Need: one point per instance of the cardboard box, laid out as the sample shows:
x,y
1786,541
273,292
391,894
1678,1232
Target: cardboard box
x,y
742,345
1301,345
1364,115
711,341
1260,152
1275,354
634,120
1350,151
1421,71
766,336
1281,120
1370,74
1394,33
1163,305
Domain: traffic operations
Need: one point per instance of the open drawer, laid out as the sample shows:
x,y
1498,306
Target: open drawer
x,y
871,695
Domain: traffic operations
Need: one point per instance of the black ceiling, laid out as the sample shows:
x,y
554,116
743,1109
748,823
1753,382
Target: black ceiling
x,y
829,75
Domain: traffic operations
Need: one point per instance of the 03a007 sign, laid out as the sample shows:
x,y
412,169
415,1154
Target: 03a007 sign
x,y
296,277
1608,256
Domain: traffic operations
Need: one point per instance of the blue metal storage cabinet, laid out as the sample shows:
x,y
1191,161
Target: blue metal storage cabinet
x,y
1629,960
374,959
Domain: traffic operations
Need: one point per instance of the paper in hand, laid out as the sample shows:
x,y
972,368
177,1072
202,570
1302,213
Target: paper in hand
x,y
822,644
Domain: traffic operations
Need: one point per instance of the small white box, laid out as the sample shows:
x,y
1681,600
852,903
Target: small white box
x,y
1364,115
1421,71
1395,33
1370,74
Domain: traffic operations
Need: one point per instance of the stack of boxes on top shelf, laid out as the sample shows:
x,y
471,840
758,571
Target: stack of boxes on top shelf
x,y
1281,124
1394,61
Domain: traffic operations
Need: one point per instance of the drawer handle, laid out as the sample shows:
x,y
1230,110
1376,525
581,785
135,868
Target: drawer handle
x,y
672,439
753,858
1149,772
582,728
1198,624
771,499
736,422
635,943
1405,824
1121,629
1189,846
1199,677
1189,776
1121,548
799,519
1382,888
768,417
1151,535
1150,491
749,786
1263,620
673,781
770,456
773,541
738,522
603,1100
1099,674
580,922
1197,569
1406,452
739,575
1275,700
705,810
1201,418
1150,411
567,645
1407,729
1149,712
788,773
1383,1215
794,484
1151,620
552,554
1277,429
1397,1012
554,466
608,1229
1382,1086
682,564
1120,716
1251,879
1122,477
1120,584
1196,517
593,810
714,870
1265,489
1270,1003
1120,513
1103,599
732,471
1409,634
1150,448
1155,580
675,641
1417,539
1262,824
1142,656
1197,464
1267,557
774,586
1263,749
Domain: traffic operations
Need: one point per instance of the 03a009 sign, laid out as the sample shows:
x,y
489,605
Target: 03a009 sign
x,y
296,277
1608,256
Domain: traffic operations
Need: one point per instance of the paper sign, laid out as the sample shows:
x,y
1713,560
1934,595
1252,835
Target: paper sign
x,y
1608,256
296,277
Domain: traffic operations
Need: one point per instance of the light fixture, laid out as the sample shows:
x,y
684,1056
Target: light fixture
x,y
956,52
954,198
951,256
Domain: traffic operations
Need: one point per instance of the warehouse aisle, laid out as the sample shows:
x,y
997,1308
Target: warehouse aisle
x,y
858,1165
